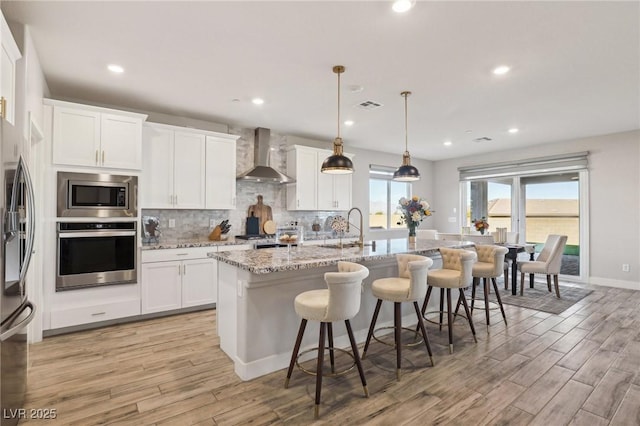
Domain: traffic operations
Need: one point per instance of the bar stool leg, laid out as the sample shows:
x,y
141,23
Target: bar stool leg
x,y
356,356
495,287
473,293
450,320
397,324
296,349
424,332
466,310
441,306
319,368
371,327
331,352
485,283
424,306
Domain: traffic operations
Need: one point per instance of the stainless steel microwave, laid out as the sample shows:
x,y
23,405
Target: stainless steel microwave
x,y
97,195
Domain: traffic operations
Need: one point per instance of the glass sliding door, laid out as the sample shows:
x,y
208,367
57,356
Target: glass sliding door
x,y
489,198
552,206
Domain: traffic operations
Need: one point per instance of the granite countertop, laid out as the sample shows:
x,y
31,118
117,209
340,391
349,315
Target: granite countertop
x,y
205,242
306,257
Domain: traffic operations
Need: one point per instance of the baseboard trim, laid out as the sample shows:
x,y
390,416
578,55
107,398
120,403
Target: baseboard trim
x,y
609,282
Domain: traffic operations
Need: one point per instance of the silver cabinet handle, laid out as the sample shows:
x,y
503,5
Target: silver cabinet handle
x,y
97,313
96,156
176,199
103,158
184,269
298,205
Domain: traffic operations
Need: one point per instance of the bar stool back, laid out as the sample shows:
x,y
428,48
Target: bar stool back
x,y
339,302
408,287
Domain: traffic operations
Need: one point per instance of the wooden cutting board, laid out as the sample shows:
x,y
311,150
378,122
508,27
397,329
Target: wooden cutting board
x,y
269,227
262,212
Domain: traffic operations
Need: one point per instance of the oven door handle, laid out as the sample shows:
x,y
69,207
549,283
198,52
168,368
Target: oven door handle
x,y
13,329
88,234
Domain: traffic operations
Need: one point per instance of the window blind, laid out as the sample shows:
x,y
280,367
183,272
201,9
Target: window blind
x,y
377,171
531,166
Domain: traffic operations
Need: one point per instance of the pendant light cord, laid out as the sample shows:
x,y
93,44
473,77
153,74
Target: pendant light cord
x,y
406,125
338,104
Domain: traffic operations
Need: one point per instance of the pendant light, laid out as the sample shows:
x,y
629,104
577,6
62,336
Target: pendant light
x,y
338,163
406,172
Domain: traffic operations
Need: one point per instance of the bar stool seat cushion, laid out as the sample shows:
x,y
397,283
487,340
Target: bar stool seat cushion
x,y
312,305
483,270
392,289
444,278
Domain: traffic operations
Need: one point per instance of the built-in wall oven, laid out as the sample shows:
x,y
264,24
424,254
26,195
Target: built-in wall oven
x,y
97,195
91,254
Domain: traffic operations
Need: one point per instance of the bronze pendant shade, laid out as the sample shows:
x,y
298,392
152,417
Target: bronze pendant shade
x,y
337,163
406,172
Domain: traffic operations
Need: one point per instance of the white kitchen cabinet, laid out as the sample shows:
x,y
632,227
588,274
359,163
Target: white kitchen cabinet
x,y
221,173
314,190
173,169
178,278
187,168
9,55
334,191
96,137
302,165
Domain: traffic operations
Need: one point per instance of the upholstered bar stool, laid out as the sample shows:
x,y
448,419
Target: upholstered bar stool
x,y
489,266
408,287
456,273
339,302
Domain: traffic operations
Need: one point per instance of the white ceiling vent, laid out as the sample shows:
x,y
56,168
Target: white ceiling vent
x,y
483,139
368,105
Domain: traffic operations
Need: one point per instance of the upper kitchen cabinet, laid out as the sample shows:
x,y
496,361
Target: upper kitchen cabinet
x,y
302,165
221,172
8,59
173,168
314,190
334,191
96,137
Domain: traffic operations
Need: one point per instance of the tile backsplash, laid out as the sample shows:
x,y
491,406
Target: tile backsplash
x,y
195,223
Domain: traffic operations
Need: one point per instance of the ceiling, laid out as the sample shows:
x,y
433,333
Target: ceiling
x,y
574,67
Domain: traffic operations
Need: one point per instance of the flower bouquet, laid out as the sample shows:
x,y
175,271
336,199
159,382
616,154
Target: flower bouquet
x,y
414,210
481,224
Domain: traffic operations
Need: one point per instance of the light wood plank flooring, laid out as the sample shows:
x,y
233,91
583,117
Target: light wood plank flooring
x,y
580,368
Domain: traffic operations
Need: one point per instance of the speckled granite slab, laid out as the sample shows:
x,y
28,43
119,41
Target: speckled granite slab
x,y
305,257
204,242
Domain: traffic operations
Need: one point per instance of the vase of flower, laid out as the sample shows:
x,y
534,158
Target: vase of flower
x,y
414,210
481,225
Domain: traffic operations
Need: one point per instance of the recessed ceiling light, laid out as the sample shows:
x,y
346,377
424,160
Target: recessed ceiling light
x,y
447,143
514,130
468,131
115,68
401,6
355,88
348,123
501,70
257,101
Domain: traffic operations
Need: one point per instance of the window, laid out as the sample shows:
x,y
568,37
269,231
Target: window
x,y
384,194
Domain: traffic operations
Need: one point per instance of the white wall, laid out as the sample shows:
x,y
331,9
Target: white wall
x,y
614,194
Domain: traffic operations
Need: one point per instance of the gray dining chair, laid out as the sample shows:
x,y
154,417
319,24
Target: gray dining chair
x,y
548,262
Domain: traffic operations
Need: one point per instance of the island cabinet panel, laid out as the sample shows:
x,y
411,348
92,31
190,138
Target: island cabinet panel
x,y
90,136
314,190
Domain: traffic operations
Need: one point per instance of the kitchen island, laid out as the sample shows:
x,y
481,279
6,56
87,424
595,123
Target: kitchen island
x,y
257,323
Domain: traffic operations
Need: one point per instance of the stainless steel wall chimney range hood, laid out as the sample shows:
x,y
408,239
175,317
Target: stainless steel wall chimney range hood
x,y
262,171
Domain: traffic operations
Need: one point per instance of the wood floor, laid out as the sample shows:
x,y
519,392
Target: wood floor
x,y
580,367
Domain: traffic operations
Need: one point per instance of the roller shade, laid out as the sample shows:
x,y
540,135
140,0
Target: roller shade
x,y
531,166
377,171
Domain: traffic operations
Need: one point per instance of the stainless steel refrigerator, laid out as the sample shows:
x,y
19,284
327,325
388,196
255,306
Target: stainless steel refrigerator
x,y
16,310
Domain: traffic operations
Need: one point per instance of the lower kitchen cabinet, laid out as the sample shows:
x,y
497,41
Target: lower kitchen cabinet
x,y
170,283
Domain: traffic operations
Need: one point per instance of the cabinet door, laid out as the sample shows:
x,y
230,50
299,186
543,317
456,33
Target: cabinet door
x,y
199,282
9,54
189,170
120,142
326,200
303,194
156,181
220,172
342,191
76,137
161,286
